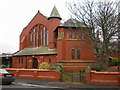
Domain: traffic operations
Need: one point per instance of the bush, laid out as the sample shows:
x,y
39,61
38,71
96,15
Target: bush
x,y
65,78
115,61
88,69
57,67
3,66
44,65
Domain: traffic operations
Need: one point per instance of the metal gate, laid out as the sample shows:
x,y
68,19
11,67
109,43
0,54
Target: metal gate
x,y
76,76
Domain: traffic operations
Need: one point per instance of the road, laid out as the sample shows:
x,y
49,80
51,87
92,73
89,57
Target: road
x,y
15,86
28,84
25,86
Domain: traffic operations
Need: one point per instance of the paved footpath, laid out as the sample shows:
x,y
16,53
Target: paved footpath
x,y
62,85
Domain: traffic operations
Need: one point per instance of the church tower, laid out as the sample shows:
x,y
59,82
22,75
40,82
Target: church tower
x,y
54,22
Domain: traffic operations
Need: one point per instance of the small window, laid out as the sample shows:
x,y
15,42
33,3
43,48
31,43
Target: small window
x,y
19,60
73,53
78,54
71,35
49,60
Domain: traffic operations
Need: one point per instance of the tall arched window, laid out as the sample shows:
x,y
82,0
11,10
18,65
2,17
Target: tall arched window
x,y
78,53
73,53
38,36
31,39
46,37
41,34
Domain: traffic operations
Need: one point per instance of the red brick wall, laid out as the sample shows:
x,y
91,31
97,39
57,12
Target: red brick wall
x,y
103,78
27,61
75,66
38,19
50,24
53,24
36,74
65,45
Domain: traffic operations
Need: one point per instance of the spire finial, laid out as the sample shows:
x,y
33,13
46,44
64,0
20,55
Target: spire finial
x,y
55,13
38,11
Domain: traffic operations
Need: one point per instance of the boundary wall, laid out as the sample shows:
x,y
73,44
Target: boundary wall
x,y
103,78
39,74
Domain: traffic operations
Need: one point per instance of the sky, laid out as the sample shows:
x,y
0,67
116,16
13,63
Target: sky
x,y
16,14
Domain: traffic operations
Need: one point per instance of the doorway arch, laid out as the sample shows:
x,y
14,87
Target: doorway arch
x,y
35,63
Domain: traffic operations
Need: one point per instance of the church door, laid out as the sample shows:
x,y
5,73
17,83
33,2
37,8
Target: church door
x,y
35,63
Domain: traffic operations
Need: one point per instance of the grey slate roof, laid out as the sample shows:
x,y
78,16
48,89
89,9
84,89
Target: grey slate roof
x,y
55,13
43,50
72,23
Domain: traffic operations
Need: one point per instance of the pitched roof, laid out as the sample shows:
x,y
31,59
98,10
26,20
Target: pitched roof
x,y
6,55
43,50
54,13
72,23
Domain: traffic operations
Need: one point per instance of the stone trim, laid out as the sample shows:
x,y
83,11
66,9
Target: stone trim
x,y
62,61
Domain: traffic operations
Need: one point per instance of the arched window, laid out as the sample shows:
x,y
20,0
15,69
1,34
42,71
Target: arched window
x,y
78,53
46,37
41,37
73,54
38,36
49,60
31,39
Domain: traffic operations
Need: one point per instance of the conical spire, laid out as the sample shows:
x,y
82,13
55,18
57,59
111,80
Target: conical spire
x,y
54,13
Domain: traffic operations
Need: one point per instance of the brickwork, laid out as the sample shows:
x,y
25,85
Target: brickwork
x,y
103,78
28,63
36,74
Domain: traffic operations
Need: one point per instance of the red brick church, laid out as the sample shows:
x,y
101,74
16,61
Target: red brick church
x,y
46,39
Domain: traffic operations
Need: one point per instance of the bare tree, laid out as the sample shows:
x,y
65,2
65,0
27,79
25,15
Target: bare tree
x,y
102,18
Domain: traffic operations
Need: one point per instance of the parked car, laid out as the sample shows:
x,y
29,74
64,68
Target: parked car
x,y
6,77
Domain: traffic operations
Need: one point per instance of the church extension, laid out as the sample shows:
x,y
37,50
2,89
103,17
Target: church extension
x,y
46,39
